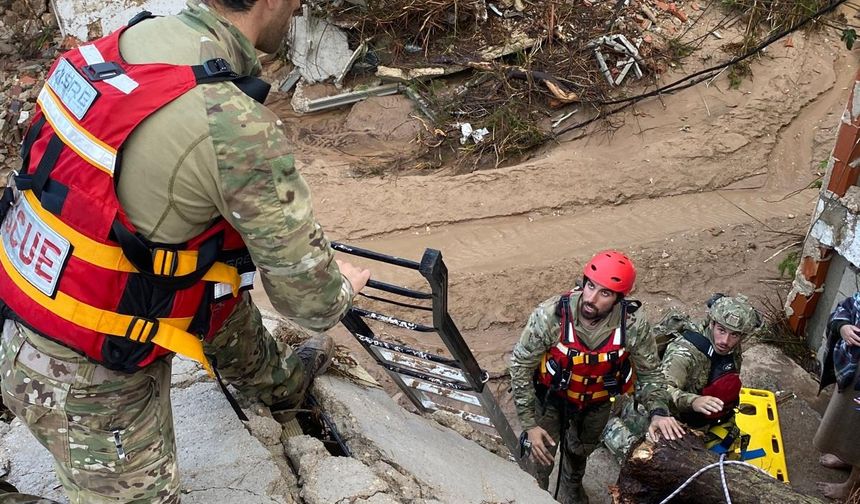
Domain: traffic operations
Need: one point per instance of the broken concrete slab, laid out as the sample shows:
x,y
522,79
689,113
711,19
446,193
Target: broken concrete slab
x,y
219,460
81,18
340,479
319,49
446,466
216,451
766,367
353,480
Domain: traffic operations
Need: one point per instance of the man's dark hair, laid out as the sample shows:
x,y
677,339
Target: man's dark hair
x,y
235,5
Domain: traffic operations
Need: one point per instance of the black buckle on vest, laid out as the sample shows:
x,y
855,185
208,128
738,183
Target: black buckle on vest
x,y
591,358
102,71
590,380
561,378
217,67
140,16
165,261
141,329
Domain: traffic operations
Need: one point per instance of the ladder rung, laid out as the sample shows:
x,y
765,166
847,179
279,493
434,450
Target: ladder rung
x,y
422,366
433,389
465,415
421,376
388,319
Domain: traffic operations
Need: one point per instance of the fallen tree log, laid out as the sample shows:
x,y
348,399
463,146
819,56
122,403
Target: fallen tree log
x,y
653,471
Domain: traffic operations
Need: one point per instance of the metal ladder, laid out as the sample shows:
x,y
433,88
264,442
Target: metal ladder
x,y
432,382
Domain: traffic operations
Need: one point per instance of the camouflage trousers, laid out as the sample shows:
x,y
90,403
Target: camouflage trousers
x,y
110,433
626,429
582,436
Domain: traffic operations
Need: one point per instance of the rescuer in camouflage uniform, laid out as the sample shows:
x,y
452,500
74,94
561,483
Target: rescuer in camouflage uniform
x,y
597,314
211,152
730,321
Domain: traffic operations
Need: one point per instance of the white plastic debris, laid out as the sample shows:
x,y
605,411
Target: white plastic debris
x,y
24,117
478,135
466,133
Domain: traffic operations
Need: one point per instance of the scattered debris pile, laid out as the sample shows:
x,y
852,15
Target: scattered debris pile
x,y
494,79
510,63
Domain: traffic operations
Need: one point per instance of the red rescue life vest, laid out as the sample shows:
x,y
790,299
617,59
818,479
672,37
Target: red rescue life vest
x,y
72,267
581,375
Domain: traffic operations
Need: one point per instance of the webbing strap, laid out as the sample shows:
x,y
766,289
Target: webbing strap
x,y
141,256
219,70
168,333
29,140
140,16
587,395
700,342
112,258
230,398
46,164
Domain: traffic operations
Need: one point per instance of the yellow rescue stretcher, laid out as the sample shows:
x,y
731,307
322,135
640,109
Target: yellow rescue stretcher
x,y
757,417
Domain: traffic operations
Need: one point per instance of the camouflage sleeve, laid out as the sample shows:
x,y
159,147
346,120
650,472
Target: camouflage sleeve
x,y
268,202
678,366
651,389
540,333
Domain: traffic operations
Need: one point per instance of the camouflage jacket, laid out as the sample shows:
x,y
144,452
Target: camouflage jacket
x,y
216,152
686,369
543,330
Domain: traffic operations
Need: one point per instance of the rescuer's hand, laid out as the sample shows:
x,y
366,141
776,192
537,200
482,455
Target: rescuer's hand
x,y
666,427
357,276
539,438
707,405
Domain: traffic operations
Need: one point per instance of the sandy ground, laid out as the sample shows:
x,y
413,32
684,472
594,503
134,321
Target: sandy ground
x,y
701,188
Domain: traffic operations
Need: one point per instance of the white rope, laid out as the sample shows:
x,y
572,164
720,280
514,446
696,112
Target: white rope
x,y
723,478
701,471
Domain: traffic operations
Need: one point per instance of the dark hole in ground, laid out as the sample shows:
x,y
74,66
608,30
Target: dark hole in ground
x,y
315,422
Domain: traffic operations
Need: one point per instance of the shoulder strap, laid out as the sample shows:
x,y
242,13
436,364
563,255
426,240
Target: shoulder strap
x,y
564,313
140,16
219,70
700,342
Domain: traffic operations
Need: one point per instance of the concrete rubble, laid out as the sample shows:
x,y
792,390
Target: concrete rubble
x,y
398,456
319,49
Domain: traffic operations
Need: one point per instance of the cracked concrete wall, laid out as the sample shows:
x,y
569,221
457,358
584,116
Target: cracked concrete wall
x,y
834,231
842,281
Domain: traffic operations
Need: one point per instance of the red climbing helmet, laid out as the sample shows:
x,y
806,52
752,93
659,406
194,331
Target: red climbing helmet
x,y
613,270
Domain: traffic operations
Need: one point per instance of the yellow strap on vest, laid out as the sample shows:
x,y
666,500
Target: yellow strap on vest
x,y
170,333
112,258
579,397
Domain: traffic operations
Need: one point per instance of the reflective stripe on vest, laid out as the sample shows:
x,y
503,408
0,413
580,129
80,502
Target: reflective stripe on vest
x,y
75,136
